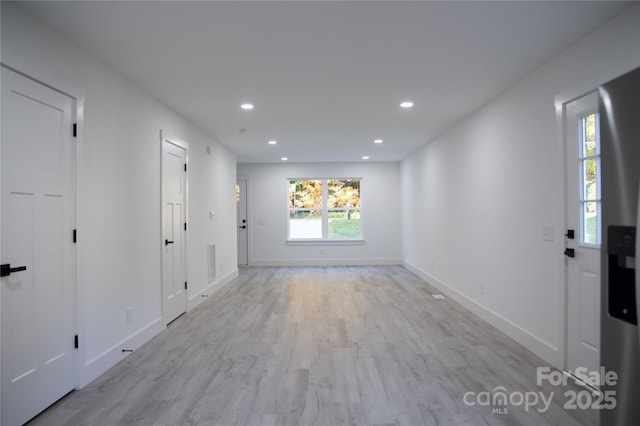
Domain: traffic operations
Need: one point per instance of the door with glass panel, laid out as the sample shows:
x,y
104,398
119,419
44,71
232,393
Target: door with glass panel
x,y
583,235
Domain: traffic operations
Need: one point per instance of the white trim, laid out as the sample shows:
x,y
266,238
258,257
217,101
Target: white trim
x,y
211,289
561,101
324,214
103,362
250,222
326,262
543,349
324,242
184,145
18,64
21,65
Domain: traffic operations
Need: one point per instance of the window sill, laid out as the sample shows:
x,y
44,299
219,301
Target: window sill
x,y
312,242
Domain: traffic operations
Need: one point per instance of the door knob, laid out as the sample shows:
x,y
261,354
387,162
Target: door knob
x,y
167,242
243,227
6,269
570,252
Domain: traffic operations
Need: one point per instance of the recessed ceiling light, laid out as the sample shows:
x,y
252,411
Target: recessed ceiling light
x,y
377,141
406,104
284,158
246,106
272,142
365,157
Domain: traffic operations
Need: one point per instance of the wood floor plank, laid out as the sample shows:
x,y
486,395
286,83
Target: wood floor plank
x,y
318,346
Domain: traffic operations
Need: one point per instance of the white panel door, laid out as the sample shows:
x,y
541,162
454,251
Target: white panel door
x,y
583,218
243,233
174,196
39,302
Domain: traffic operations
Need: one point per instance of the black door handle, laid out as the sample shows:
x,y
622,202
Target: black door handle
x,y
243,227
6,269
167,242
570,252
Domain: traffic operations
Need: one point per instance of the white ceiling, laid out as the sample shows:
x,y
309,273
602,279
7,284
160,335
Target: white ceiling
x,y
326,77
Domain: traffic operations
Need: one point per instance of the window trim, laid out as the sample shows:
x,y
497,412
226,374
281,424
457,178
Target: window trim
x,y
325,240
582,199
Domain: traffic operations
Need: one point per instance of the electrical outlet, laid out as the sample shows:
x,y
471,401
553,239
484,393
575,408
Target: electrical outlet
x,y
481,288
129,314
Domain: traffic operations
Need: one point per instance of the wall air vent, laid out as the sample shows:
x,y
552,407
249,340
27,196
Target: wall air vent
x,y
211,261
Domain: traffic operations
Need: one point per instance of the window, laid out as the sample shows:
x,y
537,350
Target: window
x,y
324,209
590,197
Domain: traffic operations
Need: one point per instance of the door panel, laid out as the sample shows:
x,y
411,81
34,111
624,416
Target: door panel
x,y
583,270
39,303
243,228
588,289
174,186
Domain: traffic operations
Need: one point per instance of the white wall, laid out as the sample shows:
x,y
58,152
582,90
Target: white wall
x,y
118,206
380,198
475,199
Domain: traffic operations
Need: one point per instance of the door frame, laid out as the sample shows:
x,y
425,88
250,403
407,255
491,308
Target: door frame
x,y
247,179
569,120
587,85
18,64
164,137
561,103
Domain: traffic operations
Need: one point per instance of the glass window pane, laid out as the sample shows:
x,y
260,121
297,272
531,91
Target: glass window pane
x,y
589,131
590,179
305,224
343,193
305,194
591,223
590,127
590,207
344,224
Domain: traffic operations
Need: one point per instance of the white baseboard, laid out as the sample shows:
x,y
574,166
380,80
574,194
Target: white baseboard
x,y
100,364
324,262
103,362
197,298
544,350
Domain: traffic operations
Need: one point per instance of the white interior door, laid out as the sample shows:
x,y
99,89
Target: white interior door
x,y
243,234
39,298
583,250
174,229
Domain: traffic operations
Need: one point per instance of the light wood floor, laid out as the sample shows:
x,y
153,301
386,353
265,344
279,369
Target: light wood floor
x,y
318,346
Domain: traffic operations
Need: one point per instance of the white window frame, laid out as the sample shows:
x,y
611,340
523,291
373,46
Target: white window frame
x,y
582,159
325,240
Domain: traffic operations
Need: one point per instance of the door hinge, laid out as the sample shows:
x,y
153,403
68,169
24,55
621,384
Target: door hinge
x,y
185,167
185,226
75,341
75,130
75,236
185,285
